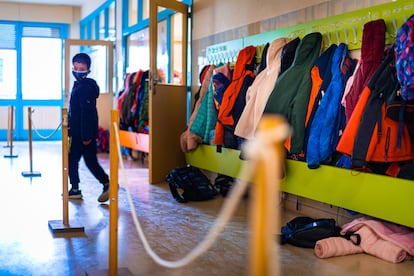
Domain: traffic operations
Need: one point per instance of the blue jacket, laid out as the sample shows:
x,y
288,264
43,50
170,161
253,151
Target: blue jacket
x,y
329,119
83,115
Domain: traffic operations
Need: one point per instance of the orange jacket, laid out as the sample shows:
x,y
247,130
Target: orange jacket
x,y
369,134
242,70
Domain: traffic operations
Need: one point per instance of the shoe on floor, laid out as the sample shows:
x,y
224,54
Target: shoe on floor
x,y
75,194
105,194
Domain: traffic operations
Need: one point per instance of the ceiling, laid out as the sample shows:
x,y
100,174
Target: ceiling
x,y
50,2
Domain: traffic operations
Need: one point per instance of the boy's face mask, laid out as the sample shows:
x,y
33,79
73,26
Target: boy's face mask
x,y
79,75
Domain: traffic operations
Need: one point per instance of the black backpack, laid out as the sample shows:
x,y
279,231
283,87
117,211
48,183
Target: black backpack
x,y
306,231
192,184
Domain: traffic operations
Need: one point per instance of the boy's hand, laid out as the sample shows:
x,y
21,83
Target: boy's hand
x,y
87,142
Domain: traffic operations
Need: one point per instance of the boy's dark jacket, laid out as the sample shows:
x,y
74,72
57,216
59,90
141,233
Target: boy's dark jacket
x,y
83,115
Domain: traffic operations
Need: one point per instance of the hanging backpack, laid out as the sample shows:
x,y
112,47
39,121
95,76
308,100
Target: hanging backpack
x,y
400,105
404,58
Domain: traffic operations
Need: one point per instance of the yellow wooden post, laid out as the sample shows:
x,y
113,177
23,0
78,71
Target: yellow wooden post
x,y
65,162
63,226
30,173
113,197
264,210
10,125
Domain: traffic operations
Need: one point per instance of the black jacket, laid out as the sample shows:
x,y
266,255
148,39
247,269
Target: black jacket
x,y
83,115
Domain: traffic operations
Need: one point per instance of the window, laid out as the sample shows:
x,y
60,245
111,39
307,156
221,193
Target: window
x,y
8,60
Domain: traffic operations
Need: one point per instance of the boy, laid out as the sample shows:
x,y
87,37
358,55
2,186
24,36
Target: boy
x,y
83,127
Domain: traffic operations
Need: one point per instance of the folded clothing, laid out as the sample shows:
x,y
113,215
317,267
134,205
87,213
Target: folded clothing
x,y
335,246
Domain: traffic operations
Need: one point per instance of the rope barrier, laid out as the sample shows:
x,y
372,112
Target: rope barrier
x,y
40,135
257,154
227,210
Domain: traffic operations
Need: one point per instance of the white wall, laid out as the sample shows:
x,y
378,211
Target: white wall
x,y
216,16
43,13
89,6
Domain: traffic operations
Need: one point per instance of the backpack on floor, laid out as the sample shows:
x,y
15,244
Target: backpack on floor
x,y
306,231
190,184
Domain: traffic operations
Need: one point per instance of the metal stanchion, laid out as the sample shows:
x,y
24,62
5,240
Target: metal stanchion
x,y
30,173
62,226
264,210
10,124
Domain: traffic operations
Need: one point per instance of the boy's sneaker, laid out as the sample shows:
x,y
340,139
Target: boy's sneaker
x,y
75,194
105,193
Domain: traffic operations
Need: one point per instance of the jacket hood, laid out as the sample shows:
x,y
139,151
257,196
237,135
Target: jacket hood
x,y
288,54
373,41
308,49
273,52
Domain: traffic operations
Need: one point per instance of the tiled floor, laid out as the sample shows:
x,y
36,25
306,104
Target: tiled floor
x,y
28,247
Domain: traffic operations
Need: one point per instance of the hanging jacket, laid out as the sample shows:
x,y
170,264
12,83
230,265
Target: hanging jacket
x,y
206,116
330,117
290,96
222,76
288,54
321,75
370,135
143,111
189,140
372,53
232,105
258,93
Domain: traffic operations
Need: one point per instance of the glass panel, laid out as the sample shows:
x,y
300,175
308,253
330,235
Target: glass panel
x,y
102,27
41,32
162,53
7,36
132,12
93,30
145,9
84,31
111,24
41,72
8,74
138,51
177,48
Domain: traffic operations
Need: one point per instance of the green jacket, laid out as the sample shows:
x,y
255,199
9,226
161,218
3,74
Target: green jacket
x,y
290,96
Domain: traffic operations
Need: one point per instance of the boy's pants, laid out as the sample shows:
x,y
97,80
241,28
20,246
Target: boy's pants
x,y
88,152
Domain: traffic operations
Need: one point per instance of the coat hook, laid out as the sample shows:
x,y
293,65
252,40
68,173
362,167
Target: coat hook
x,y
354,34
337,37
346,36
329,38
394,24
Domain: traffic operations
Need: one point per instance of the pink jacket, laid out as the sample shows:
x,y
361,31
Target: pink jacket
x,y
387,241
399,235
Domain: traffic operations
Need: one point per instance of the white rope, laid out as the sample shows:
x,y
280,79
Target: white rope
x,y
253,148
38,133
225,214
